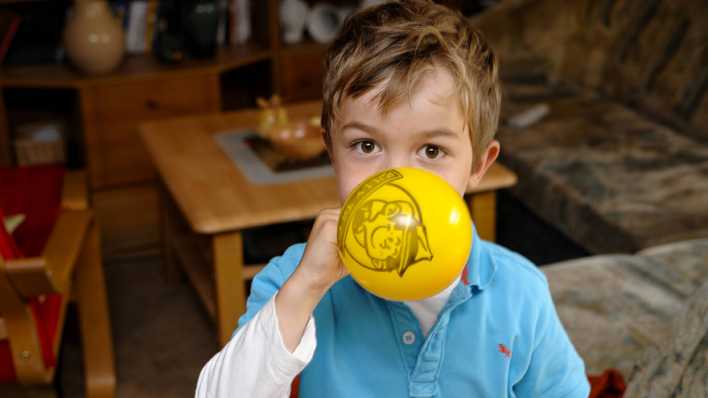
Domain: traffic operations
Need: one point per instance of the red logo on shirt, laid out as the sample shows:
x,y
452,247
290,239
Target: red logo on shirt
x,y
504,350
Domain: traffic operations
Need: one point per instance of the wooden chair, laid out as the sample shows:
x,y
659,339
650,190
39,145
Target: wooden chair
x,y
36,288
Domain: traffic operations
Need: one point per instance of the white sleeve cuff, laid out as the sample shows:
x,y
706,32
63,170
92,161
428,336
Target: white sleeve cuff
x,y
255,362
288,364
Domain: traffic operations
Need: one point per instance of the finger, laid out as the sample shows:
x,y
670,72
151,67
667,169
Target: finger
x,y
329,211
327,214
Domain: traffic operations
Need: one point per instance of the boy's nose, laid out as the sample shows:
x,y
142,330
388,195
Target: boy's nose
x,y
398,160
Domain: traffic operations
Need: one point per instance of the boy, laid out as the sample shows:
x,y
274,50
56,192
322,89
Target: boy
x,y
411,84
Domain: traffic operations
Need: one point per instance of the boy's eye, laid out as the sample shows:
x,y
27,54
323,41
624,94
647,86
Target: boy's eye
x,y
432,152
365,146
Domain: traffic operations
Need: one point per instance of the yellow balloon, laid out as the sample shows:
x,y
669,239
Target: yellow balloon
x,y
404,234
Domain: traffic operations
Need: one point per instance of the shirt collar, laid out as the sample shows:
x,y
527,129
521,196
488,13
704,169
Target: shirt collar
x,y
481,268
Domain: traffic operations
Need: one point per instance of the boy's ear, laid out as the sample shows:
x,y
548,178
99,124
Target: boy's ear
x,y
487,159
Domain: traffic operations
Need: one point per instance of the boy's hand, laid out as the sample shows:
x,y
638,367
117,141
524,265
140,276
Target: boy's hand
x,y
318,270
320,266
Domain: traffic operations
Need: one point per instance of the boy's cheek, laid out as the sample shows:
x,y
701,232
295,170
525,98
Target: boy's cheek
x,y
349,175
346,185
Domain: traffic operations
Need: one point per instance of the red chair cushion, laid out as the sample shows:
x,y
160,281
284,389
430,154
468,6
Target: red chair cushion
x,y
36,193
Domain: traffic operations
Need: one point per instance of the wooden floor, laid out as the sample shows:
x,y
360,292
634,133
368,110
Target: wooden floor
x,y
161,334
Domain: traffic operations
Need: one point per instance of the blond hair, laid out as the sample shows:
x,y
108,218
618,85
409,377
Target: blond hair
x,y
395,43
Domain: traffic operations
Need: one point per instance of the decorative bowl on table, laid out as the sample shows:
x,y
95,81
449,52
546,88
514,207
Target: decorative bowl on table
x,y
297,140
300,140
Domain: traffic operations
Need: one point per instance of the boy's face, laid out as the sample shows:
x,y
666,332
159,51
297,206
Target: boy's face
x,y
427,132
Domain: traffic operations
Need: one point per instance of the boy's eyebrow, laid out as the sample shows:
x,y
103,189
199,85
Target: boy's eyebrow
x,y
442,131
361,126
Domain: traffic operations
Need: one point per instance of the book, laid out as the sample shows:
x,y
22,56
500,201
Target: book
x,y
223,22
150,24
244,21
120,8
240,19
9,23
137,25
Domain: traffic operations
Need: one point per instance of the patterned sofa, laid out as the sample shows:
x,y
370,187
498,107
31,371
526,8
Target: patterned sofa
x,y
645,315
620,162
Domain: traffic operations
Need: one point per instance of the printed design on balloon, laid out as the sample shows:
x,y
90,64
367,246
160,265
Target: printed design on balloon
x,y
389,235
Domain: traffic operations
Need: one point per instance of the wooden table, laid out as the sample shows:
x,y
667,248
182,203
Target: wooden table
x,y
208,203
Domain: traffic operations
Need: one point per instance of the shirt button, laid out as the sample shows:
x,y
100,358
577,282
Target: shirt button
x,y
408,337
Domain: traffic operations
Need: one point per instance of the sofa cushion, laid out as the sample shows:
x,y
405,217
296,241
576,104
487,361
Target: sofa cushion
x,y
650,55
610,179
610,310
680,366
600,32
692,270
617,307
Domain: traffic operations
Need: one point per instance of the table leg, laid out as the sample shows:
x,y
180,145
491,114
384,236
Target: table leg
x,y
167,212
483,209
228,278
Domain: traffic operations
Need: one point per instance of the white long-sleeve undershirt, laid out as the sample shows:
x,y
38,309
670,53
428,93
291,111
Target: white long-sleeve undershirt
x,y
256,363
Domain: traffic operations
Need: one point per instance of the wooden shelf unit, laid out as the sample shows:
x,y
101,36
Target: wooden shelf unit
x,y
294,72
105,111
133,67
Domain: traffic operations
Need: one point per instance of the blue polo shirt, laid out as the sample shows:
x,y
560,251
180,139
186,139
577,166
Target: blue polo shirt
x,y
497,336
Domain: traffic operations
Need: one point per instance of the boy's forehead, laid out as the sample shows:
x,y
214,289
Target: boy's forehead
x,y
435,96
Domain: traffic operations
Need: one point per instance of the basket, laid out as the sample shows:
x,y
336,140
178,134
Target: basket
x,y
40,143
